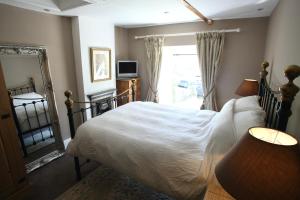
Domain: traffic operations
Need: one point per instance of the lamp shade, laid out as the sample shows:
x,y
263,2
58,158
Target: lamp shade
x,y
265,165
248,87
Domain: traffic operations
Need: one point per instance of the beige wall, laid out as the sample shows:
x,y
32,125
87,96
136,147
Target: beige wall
x,y
28,27
18,69
121,43
282,49
243,52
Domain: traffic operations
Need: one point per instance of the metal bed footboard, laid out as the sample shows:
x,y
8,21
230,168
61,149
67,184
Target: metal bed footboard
x,y
35,120
83,114
30,127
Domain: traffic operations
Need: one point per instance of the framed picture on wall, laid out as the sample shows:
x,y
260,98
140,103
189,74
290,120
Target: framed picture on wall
x,y
100,64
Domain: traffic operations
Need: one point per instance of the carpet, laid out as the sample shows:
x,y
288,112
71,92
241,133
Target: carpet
x,y
107,184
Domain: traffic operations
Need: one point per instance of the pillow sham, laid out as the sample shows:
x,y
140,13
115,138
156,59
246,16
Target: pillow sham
x,y
246,104
247,119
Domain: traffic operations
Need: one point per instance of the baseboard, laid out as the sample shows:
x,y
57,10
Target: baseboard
x,y
66,142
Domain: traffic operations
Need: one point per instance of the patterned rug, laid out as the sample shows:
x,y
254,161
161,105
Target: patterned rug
x,y
106,184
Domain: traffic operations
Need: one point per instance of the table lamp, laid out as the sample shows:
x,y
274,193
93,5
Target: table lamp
x,y
248,87
265,165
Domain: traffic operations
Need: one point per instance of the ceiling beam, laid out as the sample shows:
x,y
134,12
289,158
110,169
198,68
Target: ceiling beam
x,y
197,12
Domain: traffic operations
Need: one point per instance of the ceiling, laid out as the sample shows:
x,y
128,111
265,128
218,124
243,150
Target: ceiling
x,y
135,13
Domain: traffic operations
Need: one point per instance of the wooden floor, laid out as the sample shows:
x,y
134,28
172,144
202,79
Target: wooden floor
x,y
40,153
53,179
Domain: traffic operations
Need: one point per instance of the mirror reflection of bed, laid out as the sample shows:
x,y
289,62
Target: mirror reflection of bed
x,y
29,102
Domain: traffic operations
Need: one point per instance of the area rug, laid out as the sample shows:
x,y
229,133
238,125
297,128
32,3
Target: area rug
x,y
106,184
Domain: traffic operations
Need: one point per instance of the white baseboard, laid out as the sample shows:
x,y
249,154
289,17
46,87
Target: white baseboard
x,y
66,142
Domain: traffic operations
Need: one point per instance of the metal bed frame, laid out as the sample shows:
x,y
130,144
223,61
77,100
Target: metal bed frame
x,y
277,105
30,87
113,102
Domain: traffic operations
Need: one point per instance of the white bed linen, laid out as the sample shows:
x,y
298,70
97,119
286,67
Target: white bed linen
x,y
167,148
247,103
21,114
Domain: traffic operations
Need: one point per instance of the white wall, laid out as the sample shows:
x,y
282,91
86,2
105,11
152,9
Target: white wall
x,y
91,32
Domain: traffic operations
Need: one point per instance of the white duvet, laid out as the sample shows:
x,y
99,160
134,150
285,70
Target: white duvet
x,y
172,150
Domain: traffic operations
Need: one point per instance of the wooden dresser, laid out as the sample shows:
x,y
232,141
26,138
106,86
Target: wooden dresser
x,y
125,84
13,180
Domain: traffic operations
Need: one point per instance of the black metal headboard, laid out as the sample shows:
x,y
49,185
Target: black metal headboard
x,y
277,104
30,87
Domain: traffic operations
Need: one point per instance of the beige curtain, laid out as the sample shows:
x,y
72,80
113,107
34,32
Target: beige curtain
x,y
210,48
154,47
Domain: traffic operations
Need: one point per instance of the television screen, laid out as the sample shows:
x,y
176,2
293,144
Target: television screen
x,y
127,69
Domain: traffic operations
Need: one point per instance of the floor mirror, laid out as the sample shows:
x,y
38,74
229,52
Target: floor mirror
x,y
28,82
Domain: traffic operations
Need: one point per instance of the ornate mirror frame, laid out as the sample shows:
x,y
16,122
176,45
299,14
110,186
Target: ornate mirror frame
x,y
41,53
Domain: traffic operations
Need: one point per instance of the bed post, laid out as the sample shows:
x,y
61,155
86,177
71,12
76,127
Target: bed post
x,y
287,94
32,84
69,103
133,89
263,75
11,101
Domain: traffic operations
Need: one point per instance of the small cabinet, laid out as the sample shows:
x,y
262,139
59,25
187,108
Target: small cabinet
x,y
125,84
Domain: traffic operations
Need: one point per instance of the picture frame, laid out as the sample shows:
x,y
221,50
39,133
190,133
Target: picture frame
x,y
100,64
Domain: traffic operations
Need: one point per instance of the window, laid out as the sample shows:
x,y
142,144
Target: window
x,y
180,77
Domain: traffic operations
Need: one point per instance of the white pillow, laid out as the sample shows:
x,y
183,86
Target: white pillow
x,y
221,141
247,119
223,136
246,104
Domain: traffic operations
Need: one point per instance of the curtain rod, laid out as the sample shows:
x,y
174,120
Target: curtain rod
x,y
236,30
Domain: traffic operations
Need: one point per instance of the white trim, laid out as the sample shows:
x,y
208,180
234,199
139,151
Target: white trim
x,y
66,142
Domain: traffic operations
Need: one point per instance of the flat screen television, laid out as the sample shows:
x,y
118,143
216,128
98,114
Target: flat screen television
x,y
127,69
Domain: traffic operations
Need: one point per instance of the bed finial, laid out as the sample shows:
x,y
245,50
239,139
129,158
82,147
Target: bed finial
x,y
69,102
10,94
32,84
31,80
133,89
11,98
287,94
263,74
289,90
292,72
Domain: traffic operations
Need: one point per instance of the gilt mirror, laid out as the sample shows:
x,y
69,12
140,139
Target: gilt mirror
x,y
28,82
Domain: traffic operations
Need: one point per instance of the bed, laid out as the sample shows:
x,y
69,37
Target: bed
x,y
30,111
170,149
